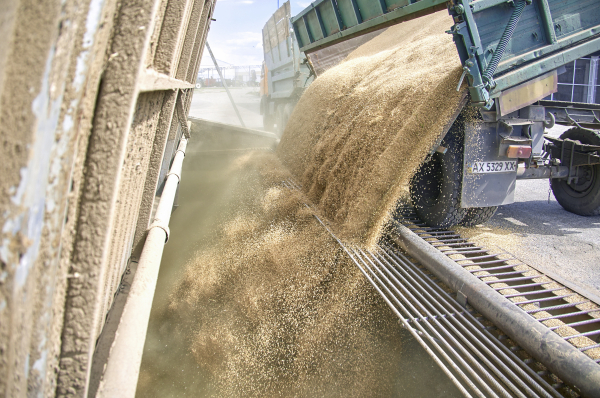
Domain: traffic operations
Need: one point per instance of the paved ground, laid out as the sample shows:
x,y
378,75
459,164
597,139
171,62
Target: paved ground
x,y
213,104
538,231
535,228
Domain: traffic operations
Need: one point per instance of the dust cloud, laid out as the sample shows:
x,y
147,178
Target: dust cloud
x,y
269,305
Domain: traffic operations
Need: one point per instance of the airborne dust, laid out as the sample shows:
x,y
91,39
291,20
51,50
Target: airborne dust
x,y
268,304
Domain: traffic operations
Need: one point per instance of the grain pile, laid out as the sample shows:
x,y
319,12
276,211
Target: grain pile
x,y
362,128
271,305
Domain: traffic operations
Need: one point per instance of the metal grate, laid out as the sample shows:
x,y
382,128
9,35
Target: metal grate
x,y
479,359
575,318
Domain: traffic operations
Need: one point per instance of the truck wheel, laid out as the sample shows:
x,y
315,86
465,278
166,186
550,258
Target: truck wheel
x,y
435,188
478,215
287,112
581,197
268,122
279,120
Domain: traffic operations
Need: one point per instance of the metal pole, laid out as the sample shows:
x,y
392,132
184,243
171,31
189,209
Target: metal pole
x,y
225,85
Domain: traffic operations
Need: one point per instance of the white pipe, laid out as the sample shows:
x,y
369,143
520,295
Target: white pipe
x,y
123,366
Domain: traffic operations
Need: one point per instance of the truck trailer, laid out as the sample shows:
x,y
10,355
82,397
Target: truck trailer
x,y
286,71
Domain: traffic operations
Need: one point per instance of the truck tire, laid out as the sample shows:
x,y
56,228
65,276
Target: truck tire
x,y
279,120
478,215
581,197
435,188
268,122
287,112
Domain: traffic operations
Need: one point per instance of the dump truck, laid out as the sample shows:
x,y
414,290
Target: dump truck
x,y
512,52
286,72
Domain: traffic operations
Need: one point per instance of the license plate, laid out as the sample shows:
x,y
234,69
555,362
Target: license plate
x,y
492,167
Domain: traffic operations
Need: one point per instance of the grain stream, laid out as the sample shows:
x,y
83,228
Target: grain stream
x,y
361,129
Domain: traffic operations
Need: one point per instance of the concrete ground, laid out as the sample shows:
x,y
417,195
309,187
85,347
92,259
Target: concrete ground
x,y
536,229
539,232
212,103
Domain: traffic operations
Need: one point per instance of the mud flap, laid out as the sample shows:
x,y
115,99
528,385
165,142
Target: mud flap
x,y
488,179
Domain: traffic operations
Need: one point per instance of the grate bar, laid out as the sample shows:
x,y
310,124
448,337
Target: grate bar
x,y
449,252
523,286
586,334
479,258
445,234
499,261
500,273
533,292
524,278
570,314
494,268
543,299
577,323
557,307
589,347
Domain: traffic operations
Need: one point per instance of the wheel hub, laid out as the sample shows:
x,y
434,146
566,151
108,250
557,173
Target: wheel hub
x,y
584,182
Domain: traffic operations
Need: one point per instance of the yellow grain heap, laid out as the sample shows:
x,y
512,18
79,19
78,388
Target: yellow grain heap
x,y
361,129
271,305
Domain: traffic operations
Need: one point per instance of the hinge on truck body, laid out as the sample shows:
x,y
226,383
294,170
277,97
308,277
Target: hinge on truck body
x,y
468,43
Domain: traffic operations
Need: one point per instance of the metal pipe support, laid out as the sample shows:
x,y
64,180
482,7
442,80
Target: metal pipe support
x,y
123,366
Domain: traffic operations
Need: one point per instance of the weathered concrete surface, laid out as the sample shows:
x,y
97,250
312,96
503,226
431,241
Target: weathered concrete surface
x,y
166,50
133,174
213,104
190,37
98,206
154,167
203,29
50,50
538,231
20,210
53,57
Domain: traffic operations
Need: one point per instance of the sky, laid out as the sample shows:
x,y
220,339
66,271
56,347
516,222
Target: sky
x,y
236,35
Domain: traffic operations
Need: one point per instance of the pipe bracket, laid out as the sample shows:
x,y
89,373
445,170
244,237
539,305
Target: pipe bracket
x,y
162,225
171,173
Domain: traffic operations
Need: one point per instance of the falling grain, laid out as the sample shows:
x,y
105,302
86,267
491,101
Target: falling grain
x,y
362,128
271,304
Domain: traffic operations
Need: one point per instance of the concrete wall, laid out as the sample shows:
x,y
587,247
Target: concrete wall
x,y
88,123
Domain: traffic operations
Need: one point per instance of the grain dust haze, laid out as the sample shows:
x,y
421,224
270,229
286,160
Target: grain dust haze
x,y
269,305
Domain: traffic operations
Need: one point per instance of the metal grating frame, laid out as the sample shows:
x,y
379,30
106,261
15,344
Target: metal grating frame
x,y
575,318
478,358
